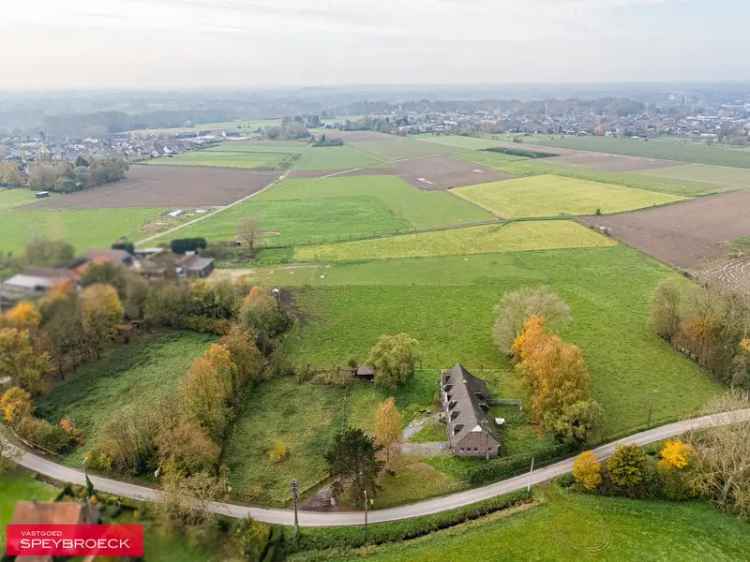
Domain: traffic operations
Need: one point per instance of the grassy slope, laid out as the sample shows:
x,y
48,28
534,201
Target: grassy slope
x,y
16,485
10,198
318,210
84,228
305,417
513,237
126,376
548,195
665,148
571,527
447,304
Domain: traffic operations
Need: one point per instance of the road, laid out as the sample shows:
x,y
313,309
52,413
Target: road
x,y
66,474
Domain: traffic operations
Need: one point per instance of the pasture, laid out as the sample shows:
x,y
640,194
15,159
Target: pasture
x,y
459,141
732,178
126,377
10,198
661,148
228,159
447,304
549,196
442,172
495,238
579,527
312,210
334,158
688,234
84,228
166,186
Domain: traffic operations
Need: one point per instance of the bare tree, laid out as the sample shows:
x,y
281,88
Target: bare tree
x,y
247,232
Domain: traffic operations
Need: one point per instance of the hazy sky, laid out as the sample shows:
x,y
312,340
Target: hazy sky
x,y
196,43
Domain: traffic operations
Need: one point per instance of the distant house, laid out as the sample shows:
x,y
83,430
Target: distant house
x,y
52,513
194,265
41,194
466,401
115,257
32,283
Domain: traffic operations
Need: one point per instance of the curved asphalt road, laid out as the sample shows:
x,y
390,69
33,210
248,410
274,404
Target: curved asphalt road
x,y
62,473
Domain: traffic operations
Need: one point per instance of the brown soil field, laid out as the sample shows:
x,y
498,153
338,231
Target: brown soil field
x,y
612,162
167,186
688,235
441,172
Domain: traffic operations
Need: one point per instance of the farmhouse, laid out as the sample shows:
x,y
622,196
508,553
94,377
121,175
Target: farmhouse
x,y
32,283
466,400
193,265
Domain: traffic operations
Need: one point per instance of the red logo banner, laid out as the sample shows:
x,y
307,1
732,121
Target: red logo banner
x,y
74,540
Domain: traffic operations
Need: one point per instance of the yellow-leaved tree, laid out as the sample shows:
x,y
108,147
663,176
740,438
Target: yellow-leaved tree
x,y
675,455
388,422
23,316
587,470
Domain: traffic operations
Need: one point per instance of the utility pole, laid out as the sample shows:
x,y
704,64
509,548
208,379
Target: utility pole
x,y
528,482
295,500
366,506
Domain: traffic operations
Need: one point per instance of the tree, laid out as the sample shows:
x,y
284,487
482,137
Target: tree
x,y
587,471
388,423
627,468
101,312
559,384
48,253
240,342
205,392
665,309
10,175
247,232
251,538
126,441
20,361
184,245
15,404
187,446
24,316
352,456
394,359
62,327
517,306
261,313
186,499
675,455
106,273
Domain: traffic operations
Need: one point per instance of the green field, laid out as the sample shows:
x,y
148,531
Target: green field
x,y
319,210
305,416
84,228
575,527
459,141
663,148
447,305
398,148
546,196
15,486
734,178
10,198
346,157
227,159
512,237
127,376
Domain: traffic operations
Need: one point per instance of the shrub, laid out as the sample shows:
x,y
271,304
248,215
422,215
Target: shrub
x,y
15,405
187,446
665,309
627,469
279,452
587,471
675,455
250,539
184,245
43,434
126,441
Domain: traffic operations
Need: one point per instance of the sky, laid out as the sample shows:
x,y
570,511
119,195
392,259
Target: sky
x,y
147,44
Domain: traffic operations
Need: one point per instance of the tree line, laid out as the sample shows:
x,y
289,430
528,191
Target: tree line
x,y
64,177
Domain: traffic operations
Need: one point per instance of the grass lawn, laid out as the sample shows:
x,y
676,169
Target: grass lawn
x,y
343,157
228,159
319,210
494,238
549,195
17,485
733,178
127,376
84,228
10,198
447,305
575,527
305,417
665,148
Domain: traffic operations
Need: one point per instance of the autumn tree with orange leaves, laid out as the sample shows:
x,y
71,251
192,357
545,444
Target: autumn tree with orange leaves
x,y
559,384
